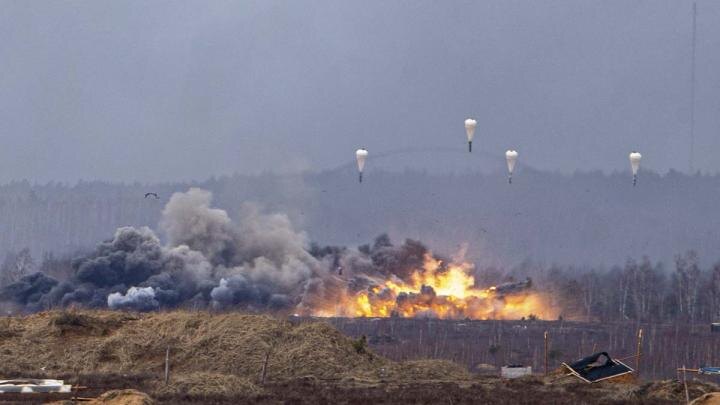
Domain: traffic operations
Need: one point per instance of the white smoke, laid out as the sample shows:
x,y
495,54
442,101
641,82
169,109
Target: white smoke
x,y
142,299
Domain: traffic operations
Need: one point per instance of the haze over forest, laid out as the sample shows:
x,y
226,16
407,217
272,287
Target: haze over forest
x,y
583,219
169,94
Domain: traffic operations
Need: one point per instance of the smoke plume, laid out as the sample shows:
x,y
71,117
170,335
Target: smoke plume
x,y
257,261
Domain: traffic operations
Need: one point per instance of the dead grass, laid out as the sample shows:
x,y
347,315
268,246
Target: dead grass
x,y
219,357
712,398
423,370
202,345
115,397
232,343
199,385
675,390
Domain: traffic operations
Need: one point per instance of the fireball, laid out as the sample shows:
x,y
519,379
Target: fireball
x,y
440,291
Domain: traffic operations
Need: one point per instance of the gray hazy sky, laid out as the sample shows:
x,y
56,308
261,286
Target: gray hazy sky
x,y
168,90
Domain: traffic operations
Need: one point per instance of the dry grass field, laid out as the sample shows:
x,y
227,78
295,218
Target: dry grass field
x,y
222,358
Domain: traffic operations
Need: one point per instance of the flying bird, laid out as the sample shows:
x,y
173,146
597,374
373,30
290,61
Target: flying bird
x,y
152,194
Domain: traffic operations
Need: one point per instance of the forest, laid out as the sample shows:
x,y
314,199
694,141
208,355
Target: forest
x,y
603,249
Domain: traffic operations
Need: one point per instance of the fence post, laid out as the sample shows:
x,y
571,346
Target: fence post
x,y
687,393
639,351
546,353
263,372
167,365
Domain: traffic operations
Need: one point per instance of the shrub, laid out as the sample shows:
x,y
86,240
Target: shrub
x,y
360,344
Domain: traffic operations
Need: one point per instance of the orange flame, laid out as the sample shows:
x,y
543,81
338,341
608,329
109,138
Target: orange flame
x,y
436,291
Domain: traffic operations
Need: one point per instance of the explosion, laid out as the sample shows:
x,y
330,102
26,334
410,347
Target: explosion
x,y
441,291
260,263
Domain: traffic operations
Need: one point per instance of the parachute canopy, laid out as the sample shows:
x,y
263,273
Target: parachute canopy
x,y
635,158
470,125
361,155
511,157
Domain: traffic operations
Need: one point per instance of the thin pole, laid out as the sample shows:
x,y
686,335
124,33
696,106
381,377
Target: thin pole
x,y
687,393
546,353
167,365
692,90
639,351
263,372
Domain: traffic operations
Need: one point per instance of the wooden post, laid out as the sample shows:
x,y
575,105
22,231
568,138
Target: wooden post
x,y
263,372
167,365
639,352
74,391
687,393
546,353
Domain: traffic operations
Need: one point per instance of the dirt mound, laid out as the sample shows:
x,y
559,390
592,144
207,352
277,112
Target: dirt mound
x,y
115,397
123,397
235,344
207,384
674,390
71,322
219,358
317,349
211,355
712,398
486,369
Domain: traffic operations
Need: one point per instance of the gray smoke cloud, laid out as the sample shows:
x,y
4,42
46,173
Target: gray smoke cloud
x,y
257,261
140,298
188,220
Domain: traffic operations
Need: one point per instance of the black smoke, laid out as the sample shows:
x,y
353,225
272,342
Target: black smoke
x,y
257,262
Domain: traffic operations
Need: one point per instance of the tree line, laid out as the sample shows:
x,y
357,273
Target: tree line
x,y
581,220
640,290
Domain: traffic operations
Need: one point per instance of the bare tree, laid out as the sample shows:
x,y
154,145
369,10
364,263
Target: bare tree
x,y
16,266
688,280
590,286
647,287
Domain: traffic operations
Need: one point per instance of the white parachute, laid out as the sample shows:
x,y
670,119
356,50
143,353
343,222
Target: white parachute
x,y
470,125
511,158
635,158
361,156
